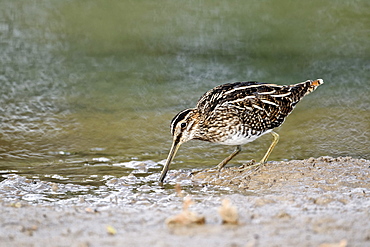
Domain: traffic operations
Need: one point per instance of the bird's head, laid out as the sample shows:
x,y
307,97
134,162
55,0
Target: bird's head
x,y
184,127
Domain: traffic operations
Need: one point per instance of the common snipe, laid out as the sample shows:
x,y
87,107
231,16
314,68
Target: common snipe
x,y
235,114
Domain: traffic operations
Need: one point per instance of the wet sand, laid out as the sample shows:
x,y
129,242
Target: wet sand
x,y
315,202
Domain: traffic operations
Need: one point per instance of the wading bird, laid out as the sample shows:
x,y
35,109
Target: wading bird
x,y
235,114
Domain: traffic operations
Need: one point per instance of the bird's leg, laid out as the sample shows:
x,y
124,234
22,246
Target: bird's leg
x,y
227,159
267,154
224,162
272,146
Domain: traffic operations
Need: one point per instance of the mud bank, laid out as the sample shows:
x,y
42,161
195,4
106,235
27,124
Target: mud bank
x,y
313,202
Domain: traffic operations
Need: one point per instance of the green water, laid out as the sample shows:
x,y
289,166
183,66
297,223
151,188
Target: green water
x,y
86,85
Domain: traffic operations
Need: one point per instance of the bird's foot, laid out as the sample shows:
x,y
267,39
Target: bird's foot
x,y
207,170
217,168
250,165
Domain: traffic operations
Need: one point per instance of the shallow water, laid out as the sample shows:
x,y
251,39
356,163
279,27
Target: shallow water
x,y
88,89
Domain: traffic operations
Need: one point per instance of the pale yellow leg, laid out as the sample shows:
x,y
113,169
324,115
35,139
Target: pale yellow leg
x,y
272,146
227,159
267,154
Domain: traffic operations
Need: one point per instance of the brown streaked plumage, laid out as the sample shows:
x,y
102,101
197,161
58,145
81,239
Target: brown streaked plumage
x,y
235,114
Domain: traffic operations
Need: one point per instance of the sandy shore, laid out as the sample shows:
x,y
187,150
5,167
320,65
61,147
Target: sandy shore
x,y
313,202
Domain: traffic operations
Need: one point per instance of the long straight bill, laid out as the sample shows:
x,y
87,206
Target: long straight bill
x,y
175,146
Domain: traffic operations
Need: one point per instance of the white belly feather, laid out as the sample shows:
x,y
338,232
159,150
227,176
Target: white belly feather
x,y
240,139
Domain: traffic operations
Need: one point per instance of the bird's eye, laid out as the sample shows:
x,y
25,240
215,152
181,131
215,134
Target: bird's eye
x,y
183,125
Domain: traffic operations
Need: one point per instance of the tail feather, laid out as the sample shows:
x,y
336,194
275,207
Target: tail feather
x,y
300,90
317,82
313,85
